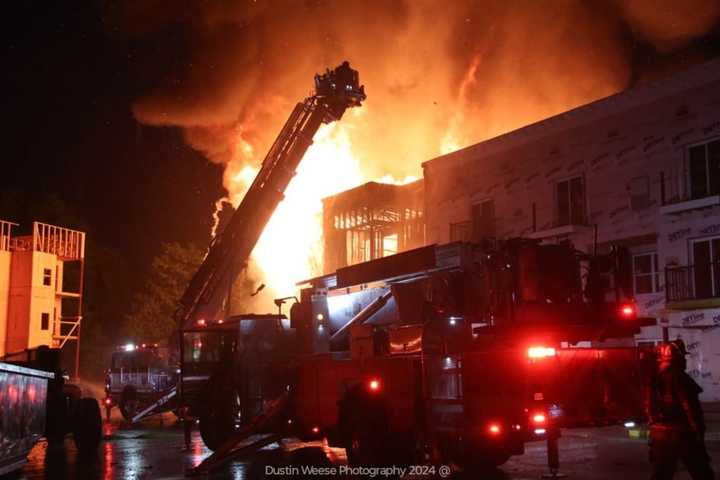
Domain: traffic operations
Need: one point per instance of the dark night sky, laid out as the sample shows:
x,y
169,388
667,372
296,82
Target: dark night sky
x,y
68,129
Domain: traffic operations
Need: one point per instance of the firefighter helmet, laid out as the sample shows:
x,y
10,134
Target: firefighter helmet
x,y
670,351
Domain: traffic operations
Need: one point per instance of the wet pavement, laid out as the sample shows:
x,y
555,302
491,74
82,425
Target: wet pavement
x,y
154,450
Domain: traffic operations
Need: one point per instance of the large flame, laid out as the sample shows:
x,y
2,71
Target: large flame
x,y
290,248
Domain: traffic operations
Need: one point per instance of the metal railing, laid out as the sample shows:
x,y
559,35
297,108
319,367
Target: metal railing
x,y
692,282
6,234
141,379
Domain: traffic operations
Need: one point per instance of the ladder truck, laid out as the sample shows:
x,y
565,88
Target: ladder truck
x,y
209,343
462,353
447,354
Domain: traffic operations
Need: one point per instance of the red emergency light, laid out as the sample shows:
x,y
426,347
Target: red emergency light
x,y
494,429
539,418
541,352
316,430
628,310
201,322
374,385
108,401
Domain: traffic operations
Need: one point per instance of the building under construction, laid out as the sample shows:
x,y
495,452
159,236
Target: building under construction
x,y
41,284
371,221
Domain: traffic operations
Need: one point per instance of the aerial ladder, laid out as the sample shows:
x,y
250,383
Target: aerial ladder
x,y
335,91
203,302
205,297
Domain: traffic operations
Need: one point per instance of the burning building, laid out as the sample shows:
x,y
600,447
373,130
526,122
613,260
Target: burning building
x,y
639,169
372,221
41,284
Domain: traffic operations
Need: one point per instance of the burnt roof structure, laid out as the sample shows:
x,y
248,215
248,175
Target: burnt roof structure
x,y
372,221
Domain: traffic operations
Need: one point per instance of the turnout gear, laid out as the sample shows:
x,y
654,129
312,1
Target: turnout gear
x,y
677,426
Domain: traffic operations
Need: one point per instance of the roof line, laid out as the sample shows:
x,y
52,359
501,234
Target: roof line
x,y
693,77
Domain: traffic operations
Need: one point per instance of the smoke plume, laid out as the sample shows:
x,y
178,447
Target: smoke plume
x,y
464,70
439,75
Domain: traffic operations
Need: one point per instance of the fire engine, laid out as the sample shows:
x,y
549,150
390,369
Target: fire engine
x,y
463,353
138,376
457,353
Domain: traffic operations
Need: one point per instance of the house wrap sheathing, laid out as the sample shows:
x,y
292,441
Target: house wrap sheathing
x,y
639,169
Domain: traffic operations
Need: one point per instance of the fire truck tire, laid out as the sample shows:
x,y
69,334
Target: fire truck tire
x,y
363,427
87,426
57,422
129,403
220,414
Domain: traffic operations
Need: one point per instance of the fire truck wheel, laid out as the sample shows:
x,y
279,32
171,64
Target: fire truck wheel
x,y
129,403
87,425
363,426
221,414
56,423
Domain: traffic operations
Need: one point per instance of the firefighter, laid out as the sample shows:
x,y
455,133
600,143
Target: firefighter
x,y
677,427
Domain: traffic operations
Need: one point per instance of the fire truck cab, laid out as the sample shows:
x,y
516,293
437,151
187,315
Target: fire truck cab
x,y
232,367
463,352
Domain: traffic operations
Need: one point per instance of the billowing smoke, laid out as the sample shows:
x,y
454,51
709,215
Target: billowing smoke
x,y
439,74
243,64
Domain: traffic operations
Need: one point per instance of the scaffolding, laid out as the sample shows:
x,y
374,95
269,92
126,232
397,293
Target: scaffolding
x,y
68,246
6,234
371,221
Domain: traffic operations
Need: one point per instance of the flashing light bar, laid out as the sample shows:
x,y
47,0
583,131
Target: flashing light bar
x,y
629,424
541,352
129,347
539,431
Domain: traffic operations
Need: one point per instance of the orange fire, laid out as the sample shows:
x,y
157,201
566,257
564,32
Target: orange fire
x,y
290,248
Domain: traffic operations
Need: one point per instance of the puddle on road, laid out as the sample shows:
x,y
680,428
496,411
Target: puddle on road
x,y
136,454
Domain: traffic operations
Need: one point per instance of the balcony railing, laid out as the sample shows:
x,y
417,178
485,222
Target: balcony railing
x,y
692,282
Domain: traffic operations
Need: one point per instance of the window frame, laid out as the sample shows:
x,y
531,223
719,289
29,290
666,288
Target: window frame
x,y
556,203
714,276
47,277
688,169
654,274
490,224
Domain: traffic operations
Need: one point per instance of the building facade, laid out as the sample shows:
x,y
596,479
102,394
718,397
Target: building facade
x,y
639,169
41,284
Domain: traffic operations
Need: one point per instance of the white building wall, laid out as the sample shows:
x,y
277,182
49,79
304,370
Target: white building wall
x,y
617,145
29,299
